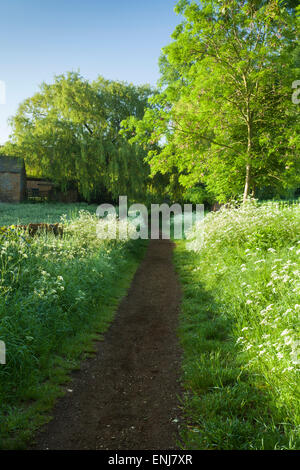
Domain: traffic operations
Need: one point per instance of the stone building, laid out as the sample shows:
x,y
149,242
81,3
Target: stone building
x,y
12,179
37,187
47,190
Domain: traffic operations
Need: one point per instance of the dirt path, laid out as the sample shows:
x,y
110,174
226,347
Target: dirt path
x,y
126,397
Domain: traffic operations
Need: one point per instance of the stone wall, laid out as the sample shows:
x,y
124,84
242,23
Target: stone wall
x,y
12,179
11,187
39,184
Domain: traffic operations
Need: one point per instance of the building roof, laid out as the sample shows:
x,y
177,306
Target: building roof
x,y
39,180
11,164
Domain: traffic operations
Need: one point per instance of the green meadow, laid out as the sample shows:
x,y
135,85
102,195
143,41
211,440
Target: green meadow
x,y
57,296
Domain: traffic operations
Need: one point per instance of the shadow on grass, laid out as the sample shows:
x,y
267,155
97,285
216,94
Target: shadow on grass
x,y
224,406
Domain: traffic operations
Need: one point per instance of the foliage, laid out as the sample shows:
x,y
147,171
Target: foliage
x,y
251,225
240,329
69,132
224,115
55,295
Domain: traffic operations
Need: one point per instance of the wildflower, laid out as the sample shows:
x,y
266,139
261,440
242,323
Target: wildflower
x,y
287,369
285,332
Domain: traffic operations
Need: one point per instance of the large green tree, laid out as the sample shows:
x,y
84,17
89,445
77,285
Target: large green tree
x,y
224,115
69,132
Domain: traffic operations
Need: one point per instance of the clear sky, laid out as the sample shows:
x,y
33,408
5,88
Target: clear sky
x,y
119,39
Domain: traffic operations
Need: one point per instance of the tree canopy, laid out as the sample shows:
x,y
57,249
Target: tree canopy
x,y
224,115
221,124
69,132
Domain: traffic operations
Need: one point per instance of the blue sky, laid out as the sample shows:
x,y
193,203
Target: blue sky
x,y
119,39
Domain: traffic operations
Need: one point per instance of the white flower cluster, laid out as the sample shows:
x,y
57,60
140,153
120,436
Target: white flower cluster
x,y
49,287
249,259
250,224
278,321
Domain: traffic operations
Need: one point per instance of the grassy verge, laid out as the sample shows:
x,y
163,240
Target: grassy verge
x,y
57,296
240,329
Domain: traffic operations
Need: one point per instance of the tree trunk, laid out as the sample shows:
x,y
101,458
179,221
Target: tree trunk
x,y
249,120
249,150
247,182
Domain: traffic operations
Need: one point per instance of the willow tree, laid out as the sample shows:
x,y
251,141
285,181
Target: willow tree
x,y
224,116
69,132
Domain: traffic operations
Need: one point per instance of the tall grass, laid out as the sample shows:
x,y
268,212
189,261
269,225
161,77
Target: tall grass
x,y
240,328
56,296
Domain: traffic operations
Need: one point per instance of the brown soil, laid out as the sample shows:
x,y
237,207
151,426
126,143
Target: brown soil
x,y
127,396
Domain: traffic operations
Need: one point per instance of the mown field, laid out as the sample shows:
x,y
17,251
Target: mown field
x,y
57,295
13,214
240,329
